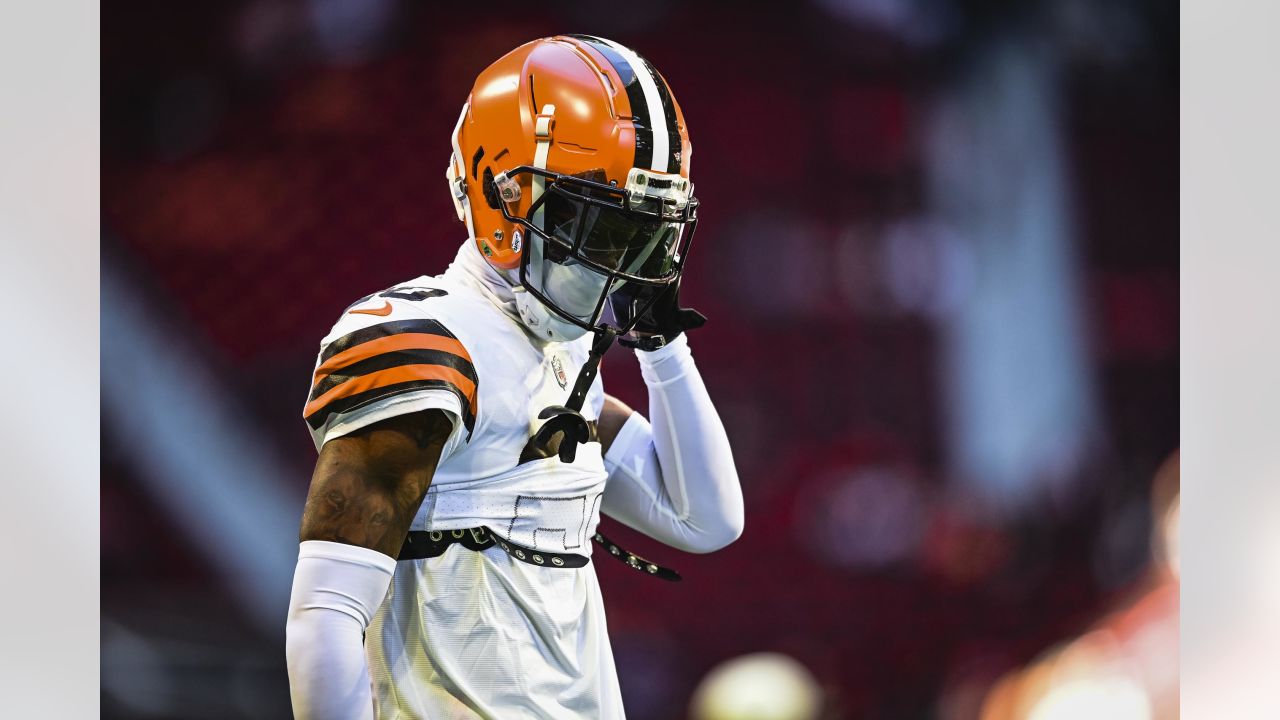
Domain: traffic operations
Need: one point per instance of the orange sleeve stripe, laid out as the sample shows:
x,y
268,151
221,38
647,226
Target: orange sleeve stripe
x,y
393,376
391,343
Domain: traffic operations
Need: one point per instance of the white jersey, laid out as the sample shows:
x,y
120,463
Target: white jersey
x,y
477,633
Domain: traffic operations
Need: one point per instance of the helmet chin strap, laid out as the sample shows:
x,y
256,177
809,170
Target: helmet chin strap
x,y
600,345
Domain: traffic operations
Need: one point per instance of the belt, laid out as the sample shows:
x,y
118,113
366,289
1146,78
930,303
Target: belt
x,y
421,544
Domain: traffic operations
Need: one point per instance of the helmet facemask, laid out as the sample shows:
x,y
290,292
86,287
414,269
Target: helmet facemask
x,y
586,240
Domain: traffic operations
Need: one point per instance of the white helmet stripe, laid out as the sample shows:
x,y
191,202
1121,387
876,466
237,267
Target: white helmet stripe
x,y
653,102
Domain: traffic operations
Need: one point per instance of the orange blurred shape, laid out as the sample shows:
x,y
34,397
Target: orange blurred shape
x,y
1126,668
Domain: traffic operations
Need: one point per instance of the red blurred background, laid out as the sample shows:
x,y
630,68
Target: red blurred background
x,y
937,247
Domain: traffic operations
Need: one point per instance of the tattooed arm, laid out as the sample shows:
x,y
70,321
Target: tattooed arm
x,y
368,485
366,488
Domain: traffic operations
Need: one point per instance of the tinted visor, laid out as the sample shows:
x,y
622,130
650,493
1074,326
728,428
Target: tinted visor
x,y
609,237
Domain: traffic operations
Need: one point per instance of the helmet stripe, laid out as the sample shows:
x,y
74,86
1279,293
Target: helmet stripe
x,y
674,155
652,112
661,154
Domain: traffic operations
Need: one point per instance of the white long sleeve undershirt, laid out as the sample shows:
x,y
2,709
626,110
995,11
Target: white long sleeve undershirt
x,y
337,589
675,480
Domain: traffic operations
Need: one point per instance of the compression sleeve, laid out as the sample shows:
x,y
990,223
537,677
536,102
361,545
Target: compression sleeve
x,y
337,588
675,480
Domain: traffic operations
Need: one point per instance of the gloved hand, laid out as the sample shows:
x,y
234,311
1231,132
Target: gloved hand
x,y
661,323
563,423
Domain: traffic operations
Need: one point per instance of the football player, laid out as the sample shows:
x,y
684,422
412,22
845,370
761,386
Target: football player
x,y
466,445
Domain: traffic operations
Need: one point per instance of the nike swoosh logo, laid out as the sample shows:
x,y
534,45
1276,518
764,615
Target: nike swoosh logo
x,y
384,310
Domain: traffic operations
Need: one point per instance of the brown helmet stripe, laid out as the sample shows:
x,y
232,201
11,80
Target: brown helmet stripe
x,y
641,117
675,156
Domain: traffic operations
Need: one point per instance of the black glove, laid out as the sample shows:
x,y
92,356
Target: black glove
x,y
559,419
661,323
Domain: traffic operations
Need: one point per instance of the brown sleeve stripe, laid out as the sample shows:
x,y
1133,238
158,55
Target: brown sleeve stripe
x,y
359,400
373,332
389,344
387,380
388,359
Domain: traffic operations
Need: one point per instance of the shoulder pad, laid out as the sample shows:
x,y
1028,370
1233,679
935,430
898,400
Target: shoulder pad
x,y
384,346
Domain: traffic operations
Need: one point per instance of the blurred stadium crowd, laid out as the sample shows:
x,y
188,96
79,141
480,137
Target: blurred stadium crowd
x,y
939,253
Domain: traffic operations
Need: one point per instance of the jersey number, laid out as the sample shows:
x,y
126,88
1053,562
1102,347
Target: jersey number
x,y
404,292
561,523
409,292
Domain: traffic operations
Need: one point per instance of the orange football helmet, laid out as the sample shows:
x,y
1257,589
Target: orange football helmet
x,y
570,169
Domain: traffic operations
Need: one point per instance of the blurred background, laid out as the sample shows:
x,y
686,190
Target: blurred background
x,y
939,251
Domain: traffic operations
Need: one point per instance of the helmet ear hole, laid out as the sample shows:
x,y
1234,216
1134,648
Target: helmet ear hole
x,y
491,190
